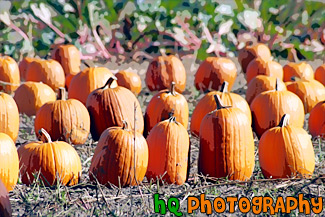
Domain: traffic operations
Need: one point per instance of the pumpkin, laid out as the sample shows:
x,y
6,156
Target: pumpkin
x,y
226,144
248,53
260,84
162,104
310,92
320,74
300,70
49,72
9,162
316,122
68,56
30,96
208,104
23,65
52,162
5,206
213,72
269,107
9,116
168,145
87,81
65,120
129,80
9,74
109,105
163,70
260,66
286,151
68,79
120,158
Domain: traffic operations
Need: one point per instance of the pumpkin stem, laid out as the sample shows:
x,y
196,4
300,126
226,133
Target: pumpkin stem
x,y
61,93
277,81
109,82
218,102
294,78
284,120
125,125
172,88
224,87
45,136
171,113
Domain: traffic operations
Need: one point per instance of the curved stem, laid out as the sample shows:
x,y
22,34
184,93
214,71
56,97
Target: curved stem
x,y
172,88
61,93
218,102
125,125
294,78
224,87
284,120
109,82
45,136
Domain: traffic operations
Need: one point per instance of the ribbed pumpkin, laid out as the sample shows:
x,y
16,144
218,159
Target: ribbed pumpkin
x,y
168,144
5,206
269,106
129,80
109,106
30,96
300,70
208,104
226,144
9,116
248,53
320,74
49,72
310,92
87,81
65,120
51,161
163,70
260,84
120,158
24,64
164,103
9,74
213,72
316,122
260,66
9,162
68,56
286,151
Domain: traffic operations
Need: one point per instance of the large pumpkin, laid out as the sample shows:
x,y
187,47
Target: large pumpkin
x,y
168,144
213,72
226,144
320,74
5,206
9,116
316,122
286,151
30,96
120,158
163,70
68,56
87,81
260,66
65,120
9,74
9,162
51,161
300,70
208,104
129,80
49,72
164,103
109,106
24,64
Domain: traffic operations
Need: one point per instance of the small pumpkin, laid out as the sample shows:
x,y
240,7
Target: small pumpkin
x,y
213,72
30,96
300,70
168,144
51,161
24,64
316,122
68,56
226,144
9,116
129,80
109,105
65,120
286,151
320,74
163,70
208,104
5,206
162,104
120,158
9,74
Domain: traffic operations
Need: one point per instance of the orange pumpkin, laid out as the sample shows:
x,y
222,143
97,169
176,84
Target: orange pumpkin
x,y
168,144
162,104
163,70
208,104
68,79
120,158
226,144
129,80
320,74
68,56
51,161
9,74
30,96
213,72
9,116
87,81
5,206
109,106
24,64
300,70
286,151
65,120
316,122
49,72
